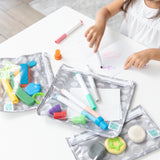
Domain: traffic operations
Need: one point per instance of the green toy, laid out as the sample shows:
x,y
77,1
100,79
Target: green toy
x,y
80,119
21,94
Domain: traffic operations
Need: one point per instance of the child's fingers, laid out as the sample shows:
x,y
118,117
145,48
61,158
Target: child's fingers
x,y
88,30
141,65
136,63
129,64
92,41
97,44
89,37
127,61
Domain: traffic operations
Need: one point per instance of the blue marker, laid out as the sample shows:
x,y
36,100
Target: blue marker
x,y
86,92
98,121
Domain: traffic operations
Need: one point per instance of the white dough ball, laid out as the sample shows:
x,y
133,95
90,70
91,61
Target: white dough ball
x,y
136,134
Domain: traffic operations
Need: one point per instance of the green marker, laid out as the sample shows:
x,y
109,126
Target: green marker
x,y
86,92
81,119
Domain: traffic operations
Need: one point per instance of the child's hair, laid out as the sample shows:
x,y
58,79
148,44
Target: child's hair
x,y
128,3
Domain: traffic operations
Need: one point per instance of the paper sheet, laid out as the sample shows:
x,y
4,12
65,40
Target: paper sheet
x,y
109,106
113,56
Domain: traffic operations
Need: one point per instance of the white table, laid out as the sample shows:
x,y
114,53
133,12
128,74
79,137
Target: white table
x,y
28,136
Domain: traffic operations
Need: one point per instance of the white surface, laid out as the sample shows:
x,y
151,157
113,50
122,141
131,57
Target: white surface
x,y
108,107
28,136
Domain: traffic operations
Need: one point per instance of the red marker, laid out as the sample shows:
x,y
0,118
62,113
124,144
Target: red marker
x,y
73,28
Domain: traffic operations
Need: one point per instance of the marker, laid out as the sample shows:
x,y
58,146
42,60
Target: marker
x,y
98,121
92,84
68,103
73,28
86,92
98,57
79,103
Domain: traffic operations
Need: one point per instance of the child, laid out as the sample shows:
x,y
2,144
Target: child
x,y
141,23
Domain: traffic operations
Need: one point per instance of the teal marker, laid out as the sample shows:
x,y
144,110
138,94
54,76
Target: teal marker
x,y
86,92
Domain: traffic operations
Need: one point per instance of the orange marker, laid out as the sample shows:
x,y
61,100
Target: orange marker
x,y
58,55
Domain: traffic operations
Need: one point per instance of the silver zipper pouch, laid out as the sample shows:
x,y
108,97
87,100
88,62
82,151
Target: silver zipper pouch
x,y
65,78
137,116
13,73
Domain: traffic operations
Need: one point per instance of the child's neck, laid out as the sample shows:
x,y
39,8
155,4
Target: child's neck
x,y
152,4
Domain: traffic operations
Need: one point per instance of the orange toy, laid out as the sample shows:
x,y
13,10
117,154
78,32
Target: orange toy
x,y
58,55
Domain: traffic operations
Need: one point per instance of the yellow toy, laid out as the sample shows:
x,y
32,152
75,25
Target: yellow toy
x,y
9,91
115,145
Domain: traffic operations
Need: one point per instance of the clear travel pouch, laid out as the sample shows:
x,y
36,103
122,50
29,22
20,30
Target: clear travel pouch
x,y
79,144
65,79
24,81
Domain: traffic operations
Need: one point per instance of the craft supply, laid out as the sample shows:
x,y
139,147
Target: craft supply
x,y
68,103
96,151
65,78
32,63
86,92
98,121
73,28
60,115
25,75
80,142
115,145
114,55
21,94
81,119
36,95
57,54
79,103
8,107
93,85
9,91
136,134
56,108
33,88
99,59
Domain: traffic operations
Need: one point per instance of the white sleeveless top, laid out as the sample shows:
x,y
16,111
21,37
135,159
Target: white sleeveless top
x,y
139,27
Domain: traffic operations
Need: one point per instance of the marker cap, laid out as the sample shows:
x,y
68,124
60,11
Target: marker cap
x,y
98,121
81,119
91,102
60,115
54,109
103,125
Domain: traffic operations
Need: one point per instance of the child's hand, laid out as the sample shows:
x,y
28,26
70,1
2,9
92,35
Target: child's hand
x,y
94,35
139,59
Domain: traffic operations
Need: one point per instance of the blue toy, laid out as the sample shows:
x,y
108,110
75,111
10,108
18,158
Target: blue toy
x,y
33,88
32,63
25,75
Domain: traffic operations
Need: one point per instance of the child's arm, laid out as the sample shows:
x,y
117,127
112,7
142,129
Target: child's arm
x,y
94,34
140,59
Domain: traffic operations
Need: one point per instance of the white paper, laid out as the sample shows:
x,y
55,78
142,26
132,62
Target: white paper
x,y
109,106
114,56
